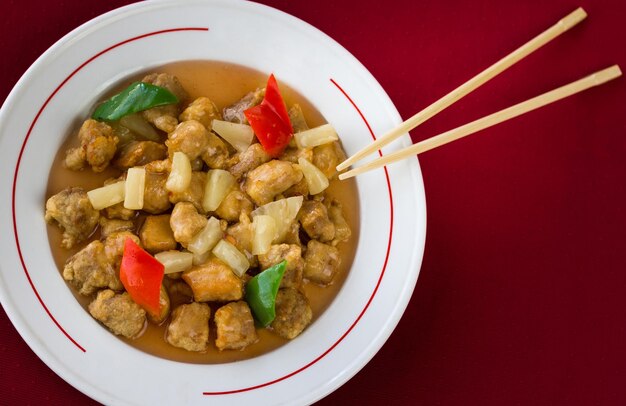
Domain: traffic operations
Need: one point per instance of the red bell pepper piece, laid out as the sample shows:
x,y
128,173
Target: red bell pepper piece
x,y
142,275
270,120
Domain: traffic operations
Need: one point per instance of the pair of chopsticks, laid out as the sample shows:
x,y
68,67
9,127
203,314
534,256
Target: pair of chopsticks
x,y
557,29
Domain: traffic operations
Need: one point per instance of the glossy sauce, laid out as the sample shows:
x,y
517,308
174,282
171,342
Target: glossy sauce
x,y
224,84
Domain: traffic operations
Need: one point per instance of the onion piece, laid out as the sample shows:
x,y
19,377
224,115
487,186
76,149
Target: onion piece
x,y
206,239
316,136
180,176
175,261
108,195
134,188
231,256
240,136
283,211
264,232
218,184
315,179
199,259
123,134
137,124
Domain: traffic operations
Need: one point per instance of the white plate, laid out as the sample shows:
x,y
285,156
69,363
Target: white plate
x,y
55,93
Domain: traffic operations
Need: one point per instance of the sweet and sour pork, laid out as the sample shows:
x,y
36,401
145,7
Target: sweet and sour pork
x,y
209,290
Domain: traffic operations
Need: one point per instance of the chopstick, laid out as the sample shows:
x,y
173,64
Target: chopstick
x,y
557,29
595,79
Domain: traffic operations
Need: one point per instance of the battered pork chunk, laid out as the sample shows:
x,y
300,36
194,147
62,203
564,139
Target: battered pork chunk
x,y
194,192
295,265
139,153
164,308
296,116
162,166
119,212
264,182
216,153
235,327
156,234
114,247
190,137
108,227
293,313
313,216
165,117
202,110
119,313
342,229
97,147
326,157
186,222
292,154
234,204
234,113
321,262
242,232
90,269
247,160
155,197
214,281
189,328
75,158
293,234
72,210
299,189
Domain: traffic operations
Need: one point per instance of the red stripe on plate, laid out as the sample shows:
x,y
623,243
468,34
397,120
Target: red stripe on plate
x,y
380,278
30,129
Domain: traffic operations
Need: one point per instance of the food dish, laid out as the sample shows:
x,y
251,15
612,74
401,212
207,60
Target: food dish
x,y
74,74
261,209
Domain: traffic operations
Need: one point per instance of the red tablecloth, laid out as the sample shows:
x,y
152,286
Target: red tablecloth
x,y
521,298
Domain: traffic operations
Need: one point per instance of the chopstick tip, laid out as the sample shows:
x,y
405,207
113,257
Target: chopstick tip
x,y
618,70
581,11
344,176
573,18
605,75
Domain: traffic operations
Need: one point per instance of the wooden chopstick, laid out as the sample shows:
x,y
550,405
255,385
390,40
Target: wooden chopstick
x,y
560,27
595,79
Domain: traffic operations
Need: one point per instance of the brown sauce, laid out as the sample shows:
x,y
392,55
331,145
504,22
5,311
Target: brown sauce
x,y
224,84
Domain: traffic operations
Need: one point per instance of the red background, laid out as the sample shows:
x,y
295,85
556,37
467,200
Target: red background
x,y
521,298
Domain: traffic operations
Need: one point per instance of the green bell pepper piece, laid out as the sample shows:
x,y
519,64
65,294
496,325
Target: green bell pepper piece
x,y
261,293
137,97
